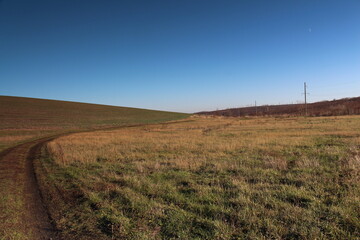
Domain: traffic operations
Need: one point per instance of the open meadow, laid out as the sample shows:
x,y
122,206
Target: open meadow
x,y
23,123
238,120
208,178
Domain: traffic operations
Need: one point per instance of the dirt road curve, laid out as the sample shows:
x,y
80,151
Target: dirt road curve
x,y
16,166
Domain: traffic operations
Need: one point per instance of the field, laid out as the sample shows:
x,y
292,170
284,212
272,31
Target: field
x,y
208,178
23,121
345,106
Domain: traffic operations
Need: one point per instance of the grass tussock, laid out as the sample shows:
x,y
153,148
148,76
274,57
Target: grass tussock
x,y
261,178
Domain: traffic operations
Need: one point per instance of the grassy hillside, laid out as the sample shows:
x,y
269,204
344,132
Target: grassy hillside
x,y
25,118
218,178
346,106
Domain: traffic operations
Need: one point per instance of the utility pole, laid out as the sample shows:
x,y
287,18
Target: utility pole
x,y
305,94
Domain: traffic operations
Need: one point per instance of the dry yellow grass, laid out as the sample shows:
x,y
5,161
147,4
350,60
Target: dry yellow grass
x,y
219,178
26,119
202,139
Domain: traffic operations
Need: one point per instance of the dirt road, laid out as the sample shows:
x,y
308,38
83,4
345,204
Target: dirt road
x,y
16,167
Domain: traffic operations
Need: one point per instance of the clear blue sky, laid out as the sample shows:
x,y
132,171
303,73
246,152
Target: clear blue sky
x,y
180,55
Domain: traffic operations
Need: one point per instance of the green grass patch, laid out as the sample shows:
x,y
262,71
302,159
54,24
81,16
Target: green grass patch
x,y
219,187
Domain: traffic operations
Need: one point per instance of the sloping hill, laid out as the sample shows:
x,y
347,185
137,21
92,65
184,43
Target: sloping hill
x,y
346,106
22,211
23,118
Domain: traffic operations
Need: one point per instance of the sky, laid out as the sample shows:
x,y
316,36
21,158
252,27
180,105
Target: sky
x,y
180,55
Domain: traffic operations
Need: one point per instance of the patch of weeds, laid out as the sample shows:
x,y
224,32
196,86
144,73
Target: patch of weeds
x,y
292,182
329,141
114,225
207,168
296,199
175,224
186,188
202,229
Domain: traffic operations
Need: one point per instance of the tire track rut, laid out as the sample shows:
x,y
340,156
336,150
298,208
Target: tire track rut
x,y
17,168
